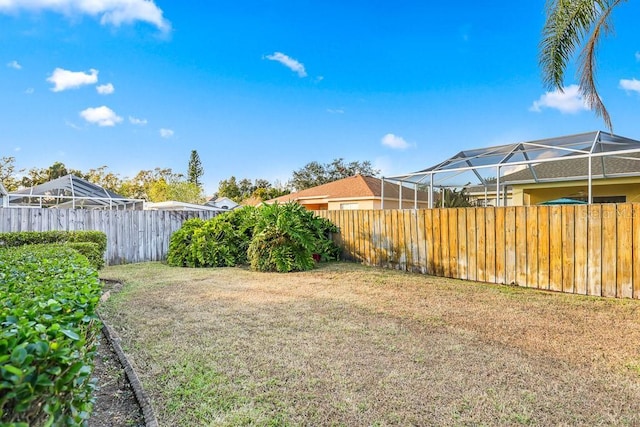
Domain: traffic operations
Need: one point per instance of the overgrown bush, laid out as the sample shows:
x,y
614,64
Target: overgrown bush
x,y
75,239
221,241
48,296
285,238
271,238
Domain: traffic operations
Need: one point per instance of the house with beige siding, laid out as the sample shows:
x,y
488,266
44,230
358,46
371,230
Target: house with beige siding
x,y
355,192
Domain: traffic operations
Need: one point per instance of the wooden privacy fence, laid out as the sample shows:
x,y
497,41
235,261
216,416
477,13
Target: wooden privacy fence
x,y
132,236
589,250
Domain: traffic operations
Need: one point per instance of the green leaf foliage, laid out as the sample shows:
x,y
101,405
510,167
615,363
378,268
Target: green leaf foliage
x,y
92,244
275,237
219,242
48,335
286,237
90,250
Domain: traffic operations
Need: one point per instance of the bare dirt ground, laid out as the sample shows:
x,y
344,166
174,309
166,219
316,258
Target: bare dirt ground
x,y
357,346
116,404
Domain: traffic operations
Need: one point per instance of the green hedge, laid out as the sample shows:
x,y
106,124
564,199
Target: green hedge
x,y
76,239
48,336
91,251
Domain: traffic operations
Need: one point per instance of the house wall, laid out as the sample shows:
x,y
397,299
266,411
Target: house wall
x,y
362,204
406,204
533,194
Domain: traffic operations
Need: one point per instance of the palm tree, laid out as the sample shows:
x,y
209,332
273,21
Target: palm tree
x,y
569,24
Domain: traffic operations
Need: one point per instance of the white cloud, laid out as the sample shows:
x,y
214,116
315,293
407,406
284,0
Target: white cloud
x,y
288,62
630,85
65,79
137,121
166,133
113,12
29,91
335,110
105,89
15,65
394,141
568,101
101,116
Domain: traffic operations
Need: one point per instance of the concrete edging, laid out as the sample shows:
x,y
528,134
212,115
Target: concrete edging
x,y
132,376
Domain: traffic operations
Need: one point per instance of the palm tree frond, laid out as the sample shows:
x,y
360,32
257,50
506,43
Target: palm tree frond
x,y
567,23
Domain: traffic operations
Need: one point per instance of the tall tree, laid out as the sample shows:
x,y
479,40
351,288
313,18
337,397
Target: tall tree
x,y
244,189
570,24
7,173
314,173
195,169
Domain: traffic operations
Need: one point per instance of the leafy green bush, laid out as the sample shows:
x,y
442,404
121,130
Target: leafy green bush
x,y
286,238
221,241
181,253
270,238
75,239
48,296
90,250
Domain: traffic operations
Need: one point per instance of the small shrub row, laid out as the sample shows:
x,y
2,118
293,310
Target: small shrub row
x,y
48,335
91,244
278,237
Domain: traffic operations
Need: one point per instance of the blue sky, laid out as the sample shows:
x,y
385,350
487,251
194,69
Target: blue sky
x,y
262,87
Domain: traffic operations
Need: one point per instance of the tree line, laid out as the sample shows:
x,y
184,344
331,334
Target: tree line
x,y
162,184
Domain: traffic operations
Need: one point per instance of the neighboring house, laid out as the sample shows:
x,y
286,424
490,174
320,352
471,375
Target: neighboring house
x,y
356,192
614,180
486,196
596,167
223,203
172,205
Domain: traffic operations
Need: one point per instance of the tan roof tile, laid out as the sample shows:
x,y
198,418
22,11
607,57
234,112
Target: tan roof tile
x,y
358,186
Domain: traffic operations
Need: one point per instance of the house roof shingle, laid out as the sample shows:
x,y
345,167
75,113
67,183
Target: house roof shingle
x,y
358,186
577,169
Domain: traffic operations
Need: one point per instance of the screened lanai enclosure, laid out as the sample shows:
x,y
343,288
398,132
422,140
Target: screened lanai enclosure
x,y
69,192
572,166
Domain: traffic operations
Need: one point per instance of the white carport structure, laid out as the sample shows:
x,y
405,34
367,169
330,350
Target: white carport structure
x,y
487,167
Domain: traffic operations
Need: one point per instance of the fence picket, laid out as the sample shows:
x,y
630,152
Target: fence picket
x,y
132,236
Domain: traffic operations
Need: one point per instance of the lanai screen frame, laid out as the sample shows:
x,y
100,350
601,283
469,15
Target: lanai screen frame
x,y
83,194
597,144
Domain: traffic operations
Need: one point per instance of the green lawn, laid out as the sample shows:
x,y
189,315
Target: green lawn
x,y
356,346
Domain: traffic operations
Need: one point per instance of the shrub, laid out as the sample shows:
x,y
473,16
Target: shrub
x,y
286,238
270,238
48,296
75,239
91,251
181,253
221,241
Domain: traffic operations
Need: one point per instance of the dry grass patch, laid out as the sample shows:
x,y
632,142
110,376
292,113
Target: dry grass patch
x,y
351,345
